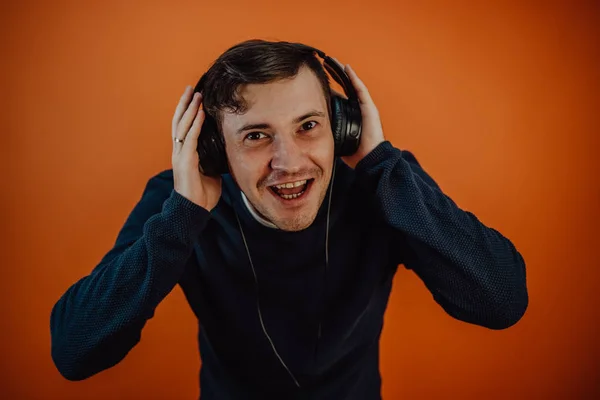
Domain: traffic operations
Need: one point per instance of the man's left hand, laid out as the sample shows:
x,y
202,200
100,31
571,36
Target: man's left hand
x,y
372,131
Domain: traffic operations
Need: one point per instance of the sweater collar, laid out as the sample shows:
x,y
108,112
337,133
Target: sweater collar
x,y
255,213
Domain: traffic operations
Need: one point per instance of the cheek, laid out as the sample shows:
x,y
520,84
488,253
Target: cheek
x,y
237,165
247,168
322,151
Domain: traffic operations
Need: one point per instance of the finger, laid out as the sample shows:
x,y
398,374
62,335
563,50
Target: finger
x,y
188,117
361,89
177,145
191,139
184,101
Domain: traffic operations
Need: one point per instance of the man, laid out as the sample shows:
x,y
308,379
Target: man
x,y
288,260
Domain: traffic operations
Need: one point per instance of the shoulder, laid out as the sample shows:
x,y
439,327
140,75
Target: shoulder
x,y
410,157
163,178
159,184
157,189
418,169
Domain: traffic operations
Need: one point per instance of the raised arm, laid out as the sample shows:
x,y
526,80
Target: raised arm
x,y
473,271
99,319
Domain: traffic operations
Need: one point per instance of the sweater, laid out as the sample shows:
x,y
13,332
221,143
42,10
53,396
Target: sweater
x,y
289,315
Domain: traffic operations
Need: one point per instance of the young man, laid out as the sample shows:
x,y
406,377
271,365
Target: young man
x,y
288,260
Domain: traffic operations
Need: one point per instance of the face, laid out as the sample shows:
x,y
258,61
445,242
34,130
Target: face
x,y
281,149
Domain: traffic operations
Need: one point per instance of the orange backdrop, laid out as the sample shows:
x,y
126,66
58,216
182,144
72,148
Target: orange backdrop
x,y
499,102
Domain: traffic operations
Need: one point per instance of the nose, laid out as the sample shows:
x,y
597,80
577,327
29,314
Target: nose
x,y
288,155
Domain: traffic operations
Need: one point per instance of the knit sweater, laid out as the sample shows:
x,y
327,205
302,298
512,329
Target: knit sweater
x,y
289,315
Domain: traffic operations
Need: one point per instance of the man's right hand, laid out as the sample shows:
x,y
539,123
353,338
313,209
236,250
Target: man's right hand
x,y
202,190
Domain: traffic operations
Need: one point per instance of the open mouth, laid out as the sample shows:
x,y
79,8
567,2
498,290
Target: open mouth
x,y
292,190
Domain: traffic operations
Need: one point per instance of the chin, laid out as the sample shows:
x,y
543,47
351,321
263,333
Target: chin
x,y
296,223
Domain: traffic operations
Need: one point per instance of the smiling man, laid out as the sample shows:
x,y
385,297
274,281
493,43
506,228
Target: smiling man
x,y
287,253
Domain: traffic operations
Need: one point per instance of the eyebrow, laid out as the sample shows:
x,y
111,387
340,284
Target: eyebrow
x,y
312,113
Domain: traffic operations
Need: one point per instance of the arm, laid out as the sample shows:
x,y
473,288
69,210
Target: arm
x,y
472,271
100,318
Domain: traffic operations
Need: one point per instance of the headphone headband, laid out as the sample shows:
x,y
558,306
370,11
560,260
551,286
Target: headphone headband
x,y
336,72
330,65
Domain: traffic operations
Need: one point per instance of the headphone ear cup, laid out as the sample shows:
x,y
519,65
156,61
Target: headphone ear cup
x,y
353,128
211,149
346,125
338,122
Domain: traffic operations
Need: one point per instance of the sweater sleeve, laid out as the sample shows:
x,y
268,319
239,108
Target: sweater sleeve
x,y
99,319
473,271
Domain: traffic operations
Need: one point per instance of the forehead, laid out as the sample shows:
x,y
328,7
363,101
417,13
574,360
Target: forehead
x,y
282,99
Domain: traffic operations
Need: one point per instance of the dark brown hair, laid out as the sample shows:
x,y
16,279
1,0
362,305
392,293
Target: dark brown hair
x,y
255,62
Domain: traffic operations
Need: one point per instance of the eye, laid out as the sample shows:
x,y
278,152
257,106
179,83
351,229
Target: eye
x,y
255,136
307,126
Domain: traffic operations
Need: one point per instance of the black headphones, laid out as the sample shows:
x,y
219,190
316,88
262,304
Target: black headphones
x,y
346,122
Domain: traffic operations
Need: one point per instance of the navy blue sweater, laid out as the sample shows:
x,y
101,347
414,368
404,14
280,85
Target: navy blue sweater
x,y
325,319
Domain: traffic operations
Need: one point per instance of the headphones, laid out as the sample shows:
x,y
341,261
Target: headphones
x,y
346,122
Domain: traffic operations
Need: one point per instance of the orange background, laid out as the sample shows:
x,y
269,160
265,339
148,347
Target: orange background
x,y
500,102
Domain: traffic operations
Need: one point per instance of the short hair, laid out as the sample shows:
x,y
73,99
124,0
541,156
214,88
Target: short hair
x,y
255,62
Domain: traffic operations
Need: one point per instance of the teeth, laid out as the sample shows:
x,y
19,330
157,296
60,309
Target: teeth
x,y
290,196
290,185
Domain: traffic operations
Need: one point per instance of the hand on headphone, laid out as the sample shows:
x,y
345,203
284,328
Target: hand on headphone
x,y
372,130
187,123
